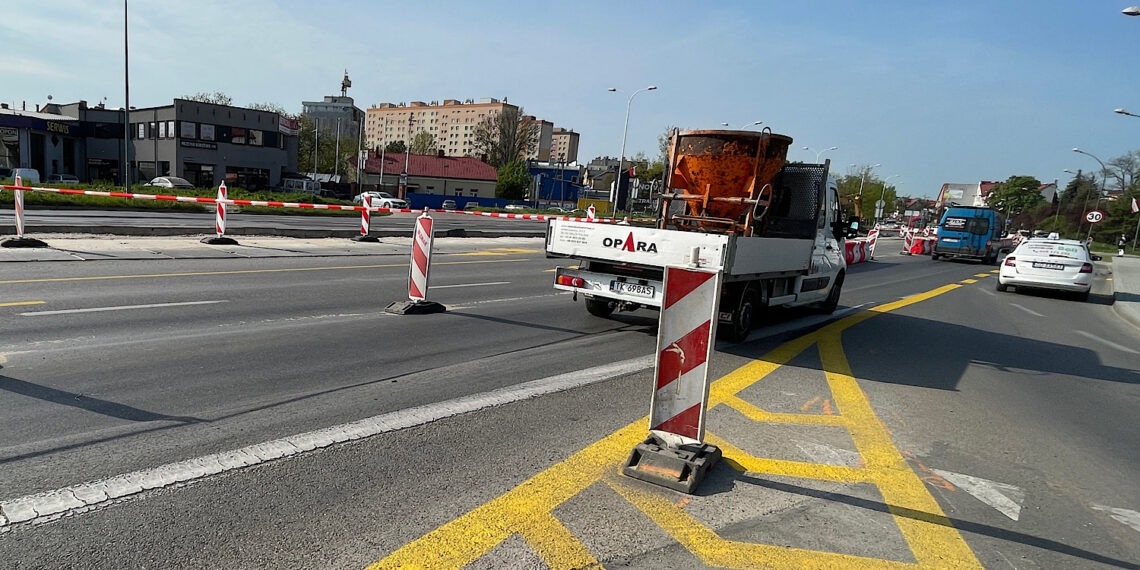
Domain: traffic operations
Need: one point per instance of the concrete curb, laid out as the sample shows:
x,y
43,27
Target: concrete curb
x,y
1127,309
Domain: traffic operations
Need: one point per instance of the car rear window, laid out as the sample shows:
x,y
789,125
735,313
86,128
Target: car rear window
x,y
1053,249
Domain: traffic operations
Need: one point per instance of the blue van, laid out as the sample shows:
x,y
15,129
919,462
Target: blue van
x,y
967,231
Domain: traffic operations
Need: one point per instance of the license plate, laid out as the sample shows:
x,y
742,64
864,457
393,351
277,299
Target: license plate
x,y
631,288
1043,265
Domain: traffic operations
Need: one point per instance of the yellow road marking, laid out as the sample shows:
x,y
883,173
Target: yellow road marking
x,y
239,272
527,509
21,303
969,281
995,271
502,251
982,275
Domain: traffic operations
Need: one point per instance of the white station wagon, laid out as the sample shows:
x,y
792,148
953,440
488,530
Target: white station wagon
x,y
1049,263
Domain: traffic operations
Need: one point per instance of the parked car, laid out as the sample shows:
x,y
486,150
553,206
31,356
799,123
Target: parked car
x,y
1049,263
471,206
171,182
64,178
381,200
448,205
515,207
27,175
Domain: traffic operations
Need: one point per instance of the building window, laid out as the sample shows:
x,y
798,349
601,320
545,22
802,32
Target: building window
x,y
151,132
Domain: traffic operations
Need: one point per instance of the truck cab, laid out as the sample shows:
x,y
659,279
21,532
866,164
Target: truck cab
x,y
969,232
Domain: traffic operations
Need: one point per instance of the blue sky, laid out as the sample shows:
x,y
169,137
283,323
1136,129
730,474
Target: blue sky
x,y
934,91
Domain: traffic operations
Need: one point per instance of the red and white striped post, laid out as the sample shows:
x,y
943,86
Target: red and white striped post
x,y
366,220
674,454
20,240
220,219
19,209
422,239
872,238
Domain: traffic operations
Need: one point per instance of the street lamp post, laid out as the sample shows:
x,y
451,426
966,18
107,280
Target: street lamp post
x,y
818,154
1126,112
882,196
863,179
624,134
752,124
125,166
1103,179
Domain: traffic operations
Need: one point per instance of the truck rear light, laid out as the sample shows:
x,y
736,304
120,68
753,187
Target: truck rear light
x,y
571,281
989,243
1087,268
1009,261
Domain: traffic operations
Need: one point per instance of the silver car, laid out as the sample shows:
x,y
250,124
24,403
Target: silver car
x,y
1049,263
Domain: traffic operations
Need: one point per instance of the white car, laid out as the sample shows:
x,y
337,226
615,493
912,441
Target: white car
x,y
381,200
171,182
1049,263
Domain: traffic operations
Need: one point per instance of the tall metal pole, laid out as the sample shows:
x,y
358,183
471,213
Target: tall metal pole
x,y
1103,179
125,167
316,144
360,159
336,157
621,158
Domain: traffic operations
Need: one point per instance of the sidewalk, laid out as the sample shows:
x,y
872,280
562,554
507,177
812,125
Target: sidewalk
x,y
84,247
1126,285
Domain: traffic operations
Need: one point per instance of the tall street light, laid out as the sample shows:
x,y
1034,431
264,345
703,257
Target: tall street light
x,y
882,196
817,154
863,179
1131,11
1103,179
749,125
1126,112
624,134
125,167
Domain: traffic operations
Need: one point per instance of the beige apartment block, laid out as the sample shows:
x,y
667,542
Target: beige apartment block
x,y
564,145
541,147
452,122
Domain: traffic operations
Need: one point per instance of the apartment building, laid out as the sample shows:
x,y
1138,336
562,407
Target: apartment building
x,y
541,148
452,122
564,145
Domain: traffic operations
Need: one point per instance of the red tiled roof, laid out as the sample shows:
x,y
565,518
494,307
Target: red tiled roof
x,y
460,167
984,188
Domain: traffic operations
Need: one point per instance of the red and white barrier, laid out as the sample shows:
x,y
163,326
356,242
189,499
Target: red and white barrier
x,y
422,239
220,218
19,200
872,239
855,251
684,346
365,215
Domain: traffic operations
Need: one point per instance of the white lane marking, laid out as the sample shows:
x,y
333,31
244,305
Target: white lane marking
x,y
1004,497
1027,310
1107,342
1125,516
120,308
469,285
56,503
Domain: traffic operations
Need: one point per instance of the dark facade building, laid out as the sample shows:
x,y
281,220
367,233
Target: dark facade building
x,y
207,143
42,139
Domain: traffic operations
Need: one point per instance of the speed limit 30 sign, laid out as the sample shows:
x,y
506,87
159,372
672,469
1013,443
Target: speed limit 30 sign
x,y
1094,216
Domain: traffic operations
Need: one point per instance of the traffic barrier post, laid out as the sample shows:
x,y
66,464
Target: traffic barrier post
x,y
419,270
872,238
220,220
366,221
674,455
20,240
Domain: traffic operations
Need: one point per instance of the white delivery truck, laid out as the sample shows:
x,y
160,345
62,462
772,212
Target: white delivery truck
x,y
731,202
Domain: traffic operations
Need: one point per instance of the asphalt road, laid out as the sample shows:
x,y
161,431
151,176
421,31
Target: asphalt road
x,y
932,420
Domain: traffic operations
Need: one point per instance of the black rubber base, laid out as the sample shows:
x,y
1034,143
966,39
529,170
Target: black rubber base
x,y
415,308
681,468
366,239
215,240
22,242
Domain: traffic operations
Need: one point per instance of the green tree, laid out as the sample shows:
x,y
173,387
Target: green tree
x,y
216,98
514,180
506,137
663,144
328,159
1016,196
856,194
396,147
423,143
271,107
